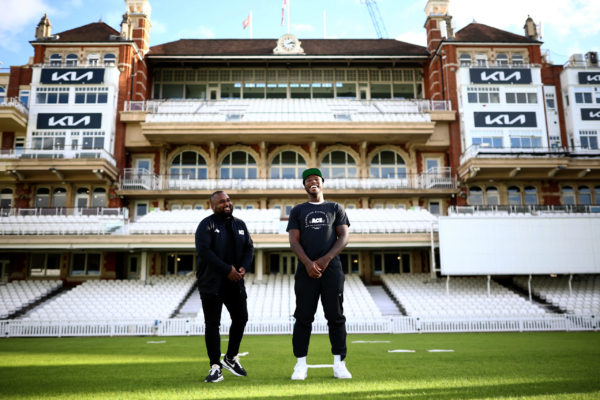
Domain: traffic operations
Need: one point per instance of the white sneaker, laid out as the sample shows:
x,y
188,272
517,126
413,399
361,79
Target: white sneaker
x,y
300,372
340,371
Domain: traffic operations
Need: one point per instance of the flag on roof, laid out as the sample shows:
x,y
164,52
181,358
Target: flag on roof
x,y
283,7
246,22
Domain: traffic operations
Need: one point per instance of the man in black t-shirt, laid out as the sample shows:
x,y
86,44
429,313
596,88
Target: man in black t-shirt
x,y
318,232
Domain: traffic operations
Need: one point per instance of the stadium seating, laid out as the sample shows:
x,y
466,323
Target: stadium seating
x,y
158,298
583,298
467,297
15,296
391,220
60,224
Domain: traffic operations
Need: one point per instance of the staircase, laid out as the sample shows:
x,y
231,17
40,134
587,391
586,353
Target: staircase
x,y
384,301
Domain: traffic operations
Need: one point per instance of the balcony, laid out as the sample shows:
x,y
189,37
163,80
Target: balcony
x,y
58,151
142,180
13,115
532,209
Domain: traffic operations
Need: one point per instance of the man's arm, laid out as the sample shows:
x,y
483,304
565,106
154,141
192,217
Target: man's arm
x,y
312,268
203,242
343,237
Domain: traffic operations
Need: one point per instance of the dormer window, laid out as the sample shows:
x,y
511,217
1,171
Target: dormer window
x,y
93,59
502,59
465,60
71,60
55,60
110,59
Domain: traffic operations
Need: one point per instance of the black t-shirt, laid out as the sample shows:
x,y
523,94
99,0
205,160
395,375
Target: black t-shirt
x,y
317,223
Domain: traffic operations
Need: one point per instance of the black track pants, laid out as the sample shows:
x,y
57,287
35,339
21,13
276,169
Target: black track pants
x,y
212,305
330,287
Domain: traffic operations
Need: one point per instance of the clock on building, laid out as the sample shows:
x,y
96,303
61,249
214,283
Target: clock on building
x,y
288,44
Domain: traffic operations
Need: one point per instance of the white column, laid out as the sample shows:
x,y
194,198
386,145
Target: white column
x,y
259,265
144,266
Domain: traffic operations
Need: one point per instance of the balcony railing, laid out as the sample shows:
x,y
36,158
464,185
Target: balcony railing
x,y
532,209
14,102
265,110
58,151
135,179
64,211
476,151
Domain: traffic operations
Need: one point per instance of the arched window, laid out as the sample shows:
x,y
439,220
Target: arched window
x,y
502,59
99,197
531,197
59,197
71,60
338,164
110,59
568,196
42,198
287,165
465,60
6,198
585,195
514,196
239,165
387,164
475,196
82,197
189,165
492,196
55,60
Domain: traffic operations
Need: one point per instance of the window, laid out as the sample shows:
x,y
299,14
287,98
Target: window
x,y
48,141
85,264
92,95
99,198
568,196
387,164
141,209
432,165
521,98
350,262
82,197
517,59
24,97
492,196
434,207
71,60
180,264
589,139
481,60
384,91
59,198
55,60
475,196
531,195
597,195
110,59
391,263
92,140
2,94
583,98
465,60
287,165
42,198
228,91
338,164
93,59
494,141
189,165
52,95
239,165
19,145
483,95
525,142
514,196
585,195
6,196
44,264
502,59
322,90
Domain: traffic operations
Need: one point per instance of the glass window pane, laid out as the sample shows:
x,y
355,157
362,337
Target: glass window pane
x,y
171,91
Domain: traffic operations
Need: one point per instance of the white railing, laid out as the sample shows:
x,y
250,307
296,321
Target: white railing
x,y
60,151
191,326
133,179
533,209
14,102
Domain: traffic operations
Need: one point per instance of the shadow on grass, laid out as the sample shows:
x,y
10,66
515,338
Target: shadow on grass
x,y
185,380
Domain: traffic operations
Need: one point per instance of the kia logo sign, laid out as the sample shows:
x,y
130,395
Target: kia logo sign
x,y
500,75
76,76
505,120
69,121
589,78
590,114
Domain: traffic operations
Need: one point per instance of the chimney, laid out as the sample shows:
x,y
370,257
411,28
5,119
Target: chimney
x,y
530,29
126,27
43,29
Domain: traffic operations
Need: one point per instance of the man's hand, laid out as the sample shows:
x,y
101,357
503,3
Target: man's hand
x,y
313,270
242,272
323,262
235,276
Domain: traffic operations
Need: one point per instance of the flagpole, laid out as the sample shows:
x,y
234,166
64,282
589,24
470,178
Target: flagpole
x,y
288,13
251,23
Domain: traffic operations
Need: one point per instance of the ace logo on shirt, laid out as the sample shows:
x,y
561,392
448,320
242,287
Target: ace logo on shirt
x,y
315,220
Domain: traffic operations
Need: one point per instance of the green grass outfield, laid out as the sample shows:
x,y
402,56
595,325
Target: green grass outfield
x,y
548,365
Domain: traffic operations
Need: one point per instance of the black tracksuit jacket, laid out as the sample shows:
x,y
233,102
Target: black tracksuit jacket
x,y
211,247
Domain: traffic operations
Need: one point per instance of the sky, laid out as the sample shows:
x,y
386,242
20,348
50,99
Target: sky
x,y
568,26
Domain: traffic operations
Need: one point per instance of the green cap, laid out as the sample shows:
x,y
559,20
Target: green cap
x,y
311,171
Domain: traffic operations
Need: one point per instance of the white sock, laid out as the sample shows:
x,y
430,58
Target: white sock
x,y
337,358
301,361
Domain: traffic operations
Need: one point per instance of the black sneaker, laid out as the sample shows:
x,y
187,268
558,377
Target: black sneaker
x,y
214,375
234,366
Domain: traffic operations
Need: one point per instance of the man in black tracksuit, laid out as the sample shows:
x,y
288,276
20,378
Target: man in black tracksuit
x,y
225,252
318,232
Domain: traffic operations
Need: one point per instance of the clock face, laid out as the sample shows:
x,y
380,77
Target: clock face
x,y
289,43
